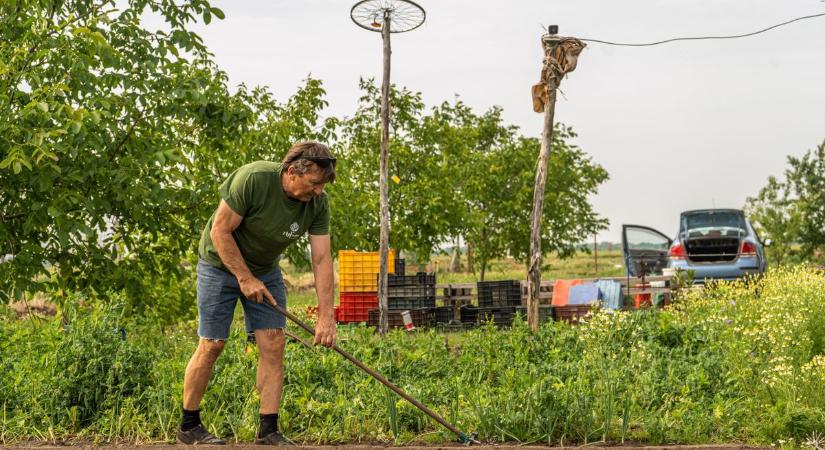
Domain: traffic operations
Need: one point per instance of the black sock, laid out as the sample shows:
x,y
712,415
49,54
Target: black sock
x,y
269,424
190,420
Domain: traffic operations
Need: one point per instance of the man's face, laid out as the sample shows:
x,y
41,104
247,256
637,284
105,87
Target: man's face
x,y
304,187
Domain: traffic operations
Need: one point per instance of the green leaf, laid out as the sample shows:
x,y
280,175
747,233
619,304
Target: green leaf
x,y
218,13
43,106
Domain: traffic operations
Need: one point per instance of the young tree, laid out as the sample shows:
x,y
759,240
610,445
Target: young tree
x,y
502,220
791,212
113,139
775,215
806,178
460,174
421,199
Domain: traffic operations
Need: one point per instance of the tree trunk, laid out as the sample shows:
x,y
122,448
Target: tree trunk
x,y
383,307
455,260
469,257
534,265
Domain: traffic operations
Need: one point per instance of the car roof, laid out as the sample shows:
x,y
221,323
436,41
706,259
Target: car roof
x,y
714,210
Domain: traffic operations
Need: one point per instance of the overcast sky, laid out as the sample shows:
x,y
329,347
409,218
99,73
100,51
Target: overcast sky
x,y
678,126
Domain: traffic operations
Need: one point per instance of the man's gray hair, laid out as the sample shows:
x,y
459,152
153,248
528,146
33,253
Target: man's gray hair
x,y
304,156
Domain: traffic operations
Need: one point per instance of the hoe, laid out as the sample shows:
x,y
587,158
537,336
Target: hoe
x,y
467,439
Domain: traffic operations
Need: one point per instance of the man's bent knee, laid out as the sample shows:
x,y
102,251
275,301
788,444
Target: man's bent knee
x,y
270,340
211,348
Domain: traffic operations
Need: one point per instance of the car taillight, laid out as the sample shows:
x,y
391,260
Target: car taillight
x,y
748,249
677,251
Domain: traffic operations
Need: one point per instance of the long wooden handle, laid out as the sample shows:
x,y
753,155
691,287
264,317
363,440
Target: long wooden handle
x,y
462,437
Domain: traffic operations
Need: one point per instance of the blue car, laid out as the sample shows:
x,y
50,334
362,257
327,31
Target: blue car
x,y
718,244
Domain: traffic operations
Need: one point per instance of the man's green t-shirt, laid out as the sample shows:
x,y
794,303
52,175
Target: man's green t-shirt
x,y
271,220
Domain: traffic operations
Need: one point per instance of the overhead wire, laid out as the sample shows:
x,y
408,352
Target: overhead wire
x,y
697,38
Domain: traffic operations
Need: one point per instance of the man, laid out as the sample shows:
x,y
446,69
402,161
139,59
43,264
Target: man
x,y
264,207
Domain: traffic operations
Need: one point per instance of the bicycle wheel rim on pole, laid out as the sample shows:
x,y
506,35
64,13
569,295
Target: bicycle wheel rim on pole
x,y
405,15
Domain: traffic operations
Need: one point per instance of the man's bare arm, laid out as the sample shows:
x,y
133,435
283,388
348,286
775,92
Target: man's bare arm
x,y
226,221
322,268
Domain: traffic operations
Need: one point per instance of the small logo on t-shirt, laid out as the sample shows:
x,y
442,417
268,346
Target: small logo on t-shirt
x,y
293,231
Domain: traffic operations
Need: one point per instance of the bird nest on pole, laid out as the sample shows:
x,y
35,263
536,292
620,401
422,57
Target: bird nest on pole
x,y
560,57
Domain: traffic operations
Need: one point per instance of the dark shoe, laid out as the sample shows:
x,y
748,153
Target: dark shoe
x,y
275,438
198,435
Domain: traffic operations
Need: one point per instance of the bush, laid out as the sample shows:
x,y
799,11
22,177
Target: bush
x,y
74,372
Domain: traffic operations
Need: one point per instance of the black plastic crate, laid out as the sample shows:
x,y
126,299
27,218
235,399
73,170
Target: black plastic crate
x,y
469,314
421,318
419,279
414,291
571,314
499,293
545,313
410,303
443,314
400,266
501,316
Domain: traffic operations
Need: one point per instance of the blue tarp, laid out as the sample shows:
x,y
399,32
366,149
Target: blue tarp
x,y
584,294
611,293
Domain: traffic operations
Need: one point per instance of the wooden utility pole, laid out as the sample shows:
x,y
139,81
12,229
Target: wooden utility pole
x,y
595,254
534,272
560,56
396,16
384,239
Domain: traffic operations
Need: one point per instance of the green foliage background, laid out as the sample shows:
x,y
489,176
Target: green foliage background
x,y
791,211
114,138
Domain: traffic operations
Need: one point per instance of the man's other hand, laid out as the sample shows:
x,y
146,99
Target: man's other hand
x,y
325,332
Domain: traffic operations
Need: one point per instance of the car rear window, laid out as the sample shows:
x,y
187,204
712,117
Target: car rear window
x,y
713,220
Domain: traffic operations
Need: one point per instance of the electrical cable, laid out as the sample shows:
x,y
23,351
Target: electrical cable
x,y
697,38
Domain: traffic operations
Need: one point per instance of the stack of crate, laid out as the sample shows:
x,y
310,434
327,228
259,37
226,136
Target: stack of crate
x,y
357,284
497,301
413,293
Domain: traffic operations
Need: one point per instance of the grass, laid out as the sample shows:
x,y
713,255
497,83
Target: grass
x,y
736,362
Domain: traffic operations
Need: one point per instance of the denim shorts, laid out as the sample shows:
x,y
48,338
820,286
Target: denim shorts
x,y
218,293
